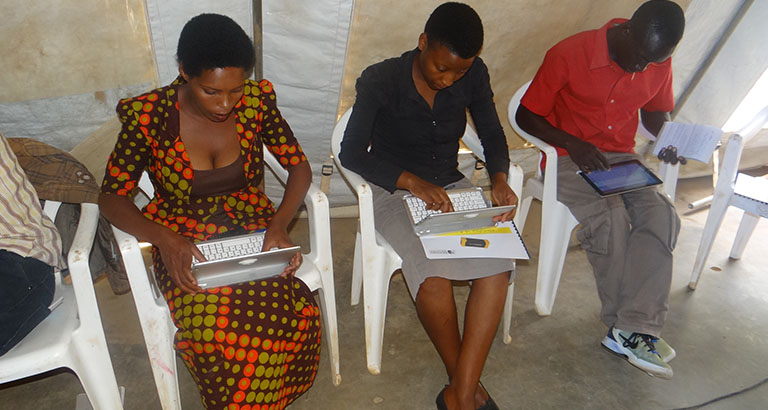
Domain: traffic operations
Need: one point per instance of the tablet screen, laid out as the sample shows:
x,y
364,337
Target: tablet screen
x,y
622,177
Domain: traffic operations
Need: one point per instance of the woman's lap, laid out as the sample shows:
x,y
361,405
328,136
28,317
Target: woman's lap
x,y
393,223
262,339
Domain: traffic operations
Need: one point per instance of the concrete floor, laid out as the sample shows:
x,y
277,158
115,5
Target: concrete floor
x,y
553,362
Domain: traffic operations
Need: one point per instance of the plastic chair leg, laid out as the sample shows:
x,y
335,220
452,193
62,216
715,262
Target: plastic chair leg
x,y
375,292
331,330
556,227
522,213
163,361
94,369
714,219
669,174
507,315
357,271
746,228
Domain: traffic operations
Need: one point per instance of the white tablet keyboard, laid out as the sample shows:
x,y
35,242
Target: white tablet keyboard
x,y
232,247
462,200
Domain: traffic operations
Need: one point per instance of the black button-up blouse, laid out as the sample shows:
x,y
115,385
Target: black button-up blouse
x,y
392,119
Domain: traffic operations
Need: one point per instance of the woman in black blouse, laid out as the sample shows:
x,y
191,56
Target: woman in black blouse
x,y
411,112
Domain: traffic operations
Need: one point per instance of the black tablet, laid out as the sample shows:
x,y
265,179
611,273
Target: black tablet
x,y
622,177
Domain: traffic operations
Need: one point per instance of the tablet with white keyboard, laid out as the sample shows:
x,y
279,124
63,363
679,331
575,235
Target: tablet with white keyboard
x,y
471,211
237,259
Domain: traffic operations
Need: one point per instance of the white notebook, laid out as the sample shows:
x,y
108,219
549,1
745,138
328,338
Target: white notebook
x,y
501,240
693,141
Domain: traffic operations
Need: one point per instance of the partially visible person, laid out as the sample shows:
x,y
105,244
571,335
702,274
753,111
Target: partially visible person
x,y
584,100
30,249
248,345
58,176
412,111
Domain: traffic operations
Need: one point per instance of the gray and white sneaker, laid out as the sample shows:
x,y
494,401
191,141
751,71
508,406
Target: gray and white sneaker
x,y
639,350
666,351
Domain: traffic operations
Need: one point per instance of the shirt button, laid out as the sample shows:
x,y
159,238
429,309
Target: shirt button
x,y
611,100
434,123
610,127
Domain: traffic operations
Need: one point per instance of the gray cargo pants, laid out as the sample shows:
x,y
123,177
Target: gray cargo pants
x,y
629,240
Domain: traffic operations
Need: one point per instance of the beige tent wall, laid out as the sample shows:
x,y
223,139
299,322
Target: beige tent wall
x,y
517,34
64,65
52,49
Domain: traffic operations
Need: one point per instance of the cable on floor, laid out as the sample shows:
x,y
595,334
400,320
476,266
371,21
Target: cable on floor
x,y
727,396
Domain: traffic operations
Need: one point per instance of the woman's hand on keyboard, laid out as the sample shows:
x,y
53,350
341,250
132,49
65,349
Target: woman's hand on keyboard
x,y
502,194
433,196
177,252
278,238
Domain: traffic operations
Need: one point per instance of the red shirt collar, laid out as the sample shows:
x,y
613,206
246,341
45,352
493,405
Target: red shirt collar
x,y
600,56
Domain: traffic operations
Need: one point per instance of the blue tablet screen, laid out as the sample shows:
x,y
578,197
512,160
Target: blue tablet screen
x,y
621,177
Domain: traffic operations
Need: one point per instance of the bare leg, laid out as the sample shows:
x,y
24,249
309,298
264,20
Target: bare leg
x,y
463,359
436,308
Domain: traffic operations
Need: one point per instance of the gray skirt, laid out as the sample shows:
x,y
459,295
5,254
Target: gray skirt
x,y
394,225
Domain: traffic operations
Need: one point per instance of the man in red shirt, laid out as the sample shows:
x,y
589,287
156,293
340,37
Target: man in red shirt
x,y
584,100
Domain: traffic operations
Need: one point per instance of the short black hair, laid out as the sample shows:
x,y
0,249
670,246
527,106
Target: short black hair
x,y
662,19
457,27
211,41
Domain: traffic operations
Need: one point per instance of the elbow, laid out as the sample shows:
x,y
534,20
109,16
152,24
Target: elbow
x,y
345,159
531,122
523,119
104,205
110,205
102,200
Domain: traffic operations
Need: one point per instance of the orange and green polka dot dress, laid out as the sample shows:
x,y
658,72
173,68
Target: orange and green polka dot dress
x,y
250,346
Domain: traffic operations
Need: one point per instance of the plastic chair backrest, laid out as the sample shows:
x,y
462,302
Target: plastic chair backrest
x,y
547,151
544,148
729,167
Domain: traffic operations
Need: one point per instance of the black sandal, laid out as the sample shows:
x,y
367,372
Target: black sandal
x,y
440,400
489,404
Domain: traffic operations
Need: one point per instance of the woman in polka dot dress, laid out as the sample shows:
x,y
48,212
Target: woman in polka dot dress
x,y
250,346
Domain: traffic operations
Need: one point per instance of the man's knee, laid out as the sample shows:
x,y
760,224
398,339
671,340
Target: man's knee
x,y
661,218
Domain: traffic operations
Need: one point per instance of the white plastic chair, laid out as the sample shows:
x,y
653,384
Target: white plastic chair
x,y
375,261
557,221
72,335
154,316
734,189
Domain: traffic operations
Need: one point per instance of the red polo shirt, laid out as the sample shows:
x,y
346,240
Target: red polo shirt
x,y
581,91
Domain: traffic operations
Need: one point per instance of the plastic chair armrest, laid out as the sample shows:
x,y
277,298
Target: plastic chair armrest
x,y
364,194
318,214
141,287
78,259
319,217
79,252
550,168
514,174
79,255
